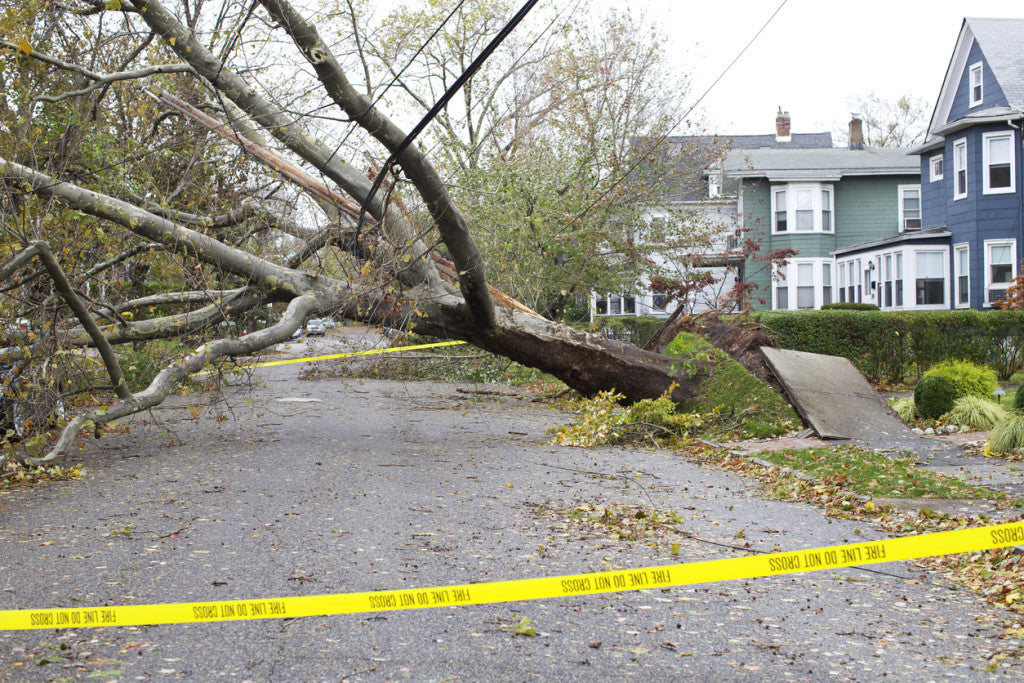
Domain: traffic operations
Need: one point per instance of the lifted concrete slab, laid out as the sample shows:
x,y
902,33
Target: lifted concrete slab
x,y
833,397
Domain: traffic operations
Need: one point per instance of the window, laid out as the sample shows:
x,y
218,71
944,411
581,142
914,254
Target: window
x,y
781,290
715,184
779,197
975,84
826,284
803,208
615,305
931,281
826,210
997,160
805,285
910,207
851,282
899,280
887,281
1000,268
841,282
629,304
962,268
960,169
853,277
936,167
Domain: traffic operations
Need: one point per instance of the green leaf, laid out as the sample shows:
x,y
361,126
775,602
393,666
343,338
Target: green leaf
x,y
113,5
523,628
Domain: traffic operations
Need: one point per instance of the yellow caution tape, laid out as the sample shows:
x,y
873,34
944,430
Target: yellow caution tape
x,y
332,356
832,557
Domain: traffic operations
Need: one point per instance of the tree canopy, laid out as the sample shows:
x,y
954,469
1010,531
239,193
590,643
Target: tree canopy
x,y
168,167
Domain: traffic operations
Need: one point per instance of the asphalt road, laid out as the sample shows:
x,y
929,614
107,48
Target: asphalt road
x,y
297,487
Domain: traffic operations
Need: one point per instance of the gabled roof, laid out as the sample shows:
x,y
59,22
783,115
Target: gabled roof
x,y
782,165
1000,41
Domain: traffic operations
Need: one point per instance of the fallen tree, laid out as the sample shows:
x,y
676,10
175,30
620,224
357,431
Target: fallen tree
x,y
392,274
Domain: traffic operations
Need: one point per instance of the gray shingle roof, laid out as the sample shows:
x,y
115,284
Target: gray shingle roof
x,y
699,152
797,141
1002,42
819,164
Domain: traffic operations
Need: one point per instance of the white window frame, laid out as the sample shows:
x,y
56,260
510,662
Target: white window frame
x,y
989,285
958,272
960,157
817,208
944,304
986,140
902,190
936,164
975,83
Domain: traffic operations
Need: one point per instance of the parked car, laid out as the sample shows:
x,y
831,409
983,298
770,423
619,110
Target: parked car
x,y
315,329
30,396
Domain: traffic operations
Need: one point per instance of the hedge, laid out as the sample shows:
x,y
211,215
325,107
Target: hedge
x,y
890,345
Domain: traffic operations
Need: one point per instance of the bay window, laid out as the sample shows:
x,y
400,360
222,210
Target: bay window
x,y
803,207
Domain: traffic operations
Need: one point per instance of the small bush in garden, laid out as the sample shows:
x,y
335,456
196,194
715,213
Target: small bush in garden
x,y
905,409
1007,436
934,395
976,412
968,378
1018,399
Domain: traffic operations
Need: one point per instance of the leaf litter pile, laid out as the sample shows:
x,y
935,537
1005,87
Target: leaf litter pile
x,y
996,575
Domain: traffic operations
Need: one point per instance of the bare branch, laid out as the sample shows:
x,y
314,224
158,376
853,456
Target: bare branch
x,y
167,378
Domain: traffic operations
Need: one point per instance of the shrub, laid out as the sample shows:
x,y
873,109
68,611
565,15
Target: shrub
x,y
891,344
934,395
968,378
1018,399
976,412
1007,436
905,409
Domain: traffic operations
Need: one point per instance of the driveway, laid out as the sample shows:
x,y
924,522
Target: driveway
x,y
286,487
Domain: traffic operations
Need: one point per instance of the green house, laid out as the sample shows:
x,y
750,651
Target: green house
x,y
815,202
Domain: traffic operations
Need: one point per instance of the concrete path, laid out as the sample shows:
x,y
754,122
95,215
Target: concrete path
x,y
313,487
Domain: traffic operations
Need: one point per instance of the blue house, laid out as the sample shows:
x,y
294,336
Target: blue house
x,y
971,190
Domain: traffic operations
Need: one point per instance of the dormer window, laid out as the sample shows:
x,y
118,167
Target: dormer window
x,y
975,84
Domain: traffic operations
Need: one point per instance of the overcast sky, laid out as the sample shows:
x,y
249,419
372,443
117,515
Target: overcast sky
x,y
814,56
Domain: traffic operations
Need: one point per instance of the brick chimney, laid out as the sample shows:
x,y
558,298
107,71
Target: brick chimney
x,y
782,126
856,132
